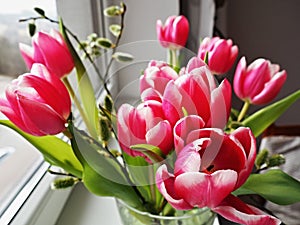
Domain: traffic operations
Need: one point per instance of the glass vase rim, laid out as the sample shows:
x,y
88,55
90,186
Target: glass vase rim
x,y
181,217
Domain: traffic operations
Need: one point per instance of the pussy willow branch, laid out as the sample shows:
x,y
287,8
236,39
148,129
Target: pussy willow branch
x,y
78,42
117,40
62,174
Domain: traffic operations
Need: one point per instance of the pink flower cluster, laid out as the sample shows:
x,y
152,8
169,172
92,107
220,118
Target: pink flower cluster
x,y
187,112
167,98
38,102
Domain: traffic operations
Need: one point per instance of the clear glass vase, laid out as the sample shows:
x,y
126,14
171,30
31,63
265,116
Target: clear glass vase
x,y
131,216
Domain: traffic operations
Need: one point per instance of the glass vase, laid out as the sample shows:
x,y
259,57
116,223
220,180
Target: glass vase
x,y
132,216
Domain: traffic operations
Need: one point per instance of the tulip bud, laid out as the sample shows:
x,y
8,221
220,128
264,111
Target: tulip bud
x,y
58,61
174,33
219,54
260,82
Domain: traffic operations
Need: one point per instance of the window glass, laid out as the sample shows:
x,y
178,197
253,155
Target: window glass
x,y
18,159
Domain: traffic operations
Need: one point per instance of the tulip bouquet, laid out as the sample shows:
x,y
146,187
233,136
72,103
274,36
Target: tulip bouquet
x,y
182,147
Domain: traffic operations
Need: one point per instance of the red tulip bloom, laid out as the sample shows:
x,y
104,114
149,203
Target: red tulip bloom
x,y
144,124
221,54
50,50
206,172
154,80
260,82
174,33
37,102
196,93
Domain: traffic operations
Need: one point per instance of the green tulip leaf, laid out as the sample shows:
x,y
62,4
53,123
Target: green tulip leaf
x,y
102,175
55,151
85,87
263,118
152,152
274,185
139,170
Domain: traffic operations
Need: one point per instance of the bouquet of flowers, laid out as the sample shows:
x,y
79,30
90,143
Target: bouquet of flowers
x,y
182,147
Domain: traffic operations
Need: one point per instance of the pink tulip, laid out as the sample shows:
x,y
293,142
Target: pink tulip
x,y
144,124
174,33
260,82
206,172
37,102
154,80
50,50
196,93
186,131
221,54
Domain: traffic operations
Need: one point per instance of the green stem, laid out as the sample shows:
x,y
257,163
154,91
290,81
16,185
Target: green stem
x,y
244,110
152,183
172,57
78,104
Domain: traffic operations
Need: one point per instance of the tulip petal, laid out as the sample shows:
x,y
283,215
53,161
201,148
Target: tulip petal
x,y
195,93
258,73
188,160
27,54
233,209
37,54
35,113
60,104
201,190
248,143
218,57
161,136
239,78
165,184
180,30
125,135
58,61
151,94
171,103
220,105
184,127
194,63
57,36
41,71
271,89
13,116
217,150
